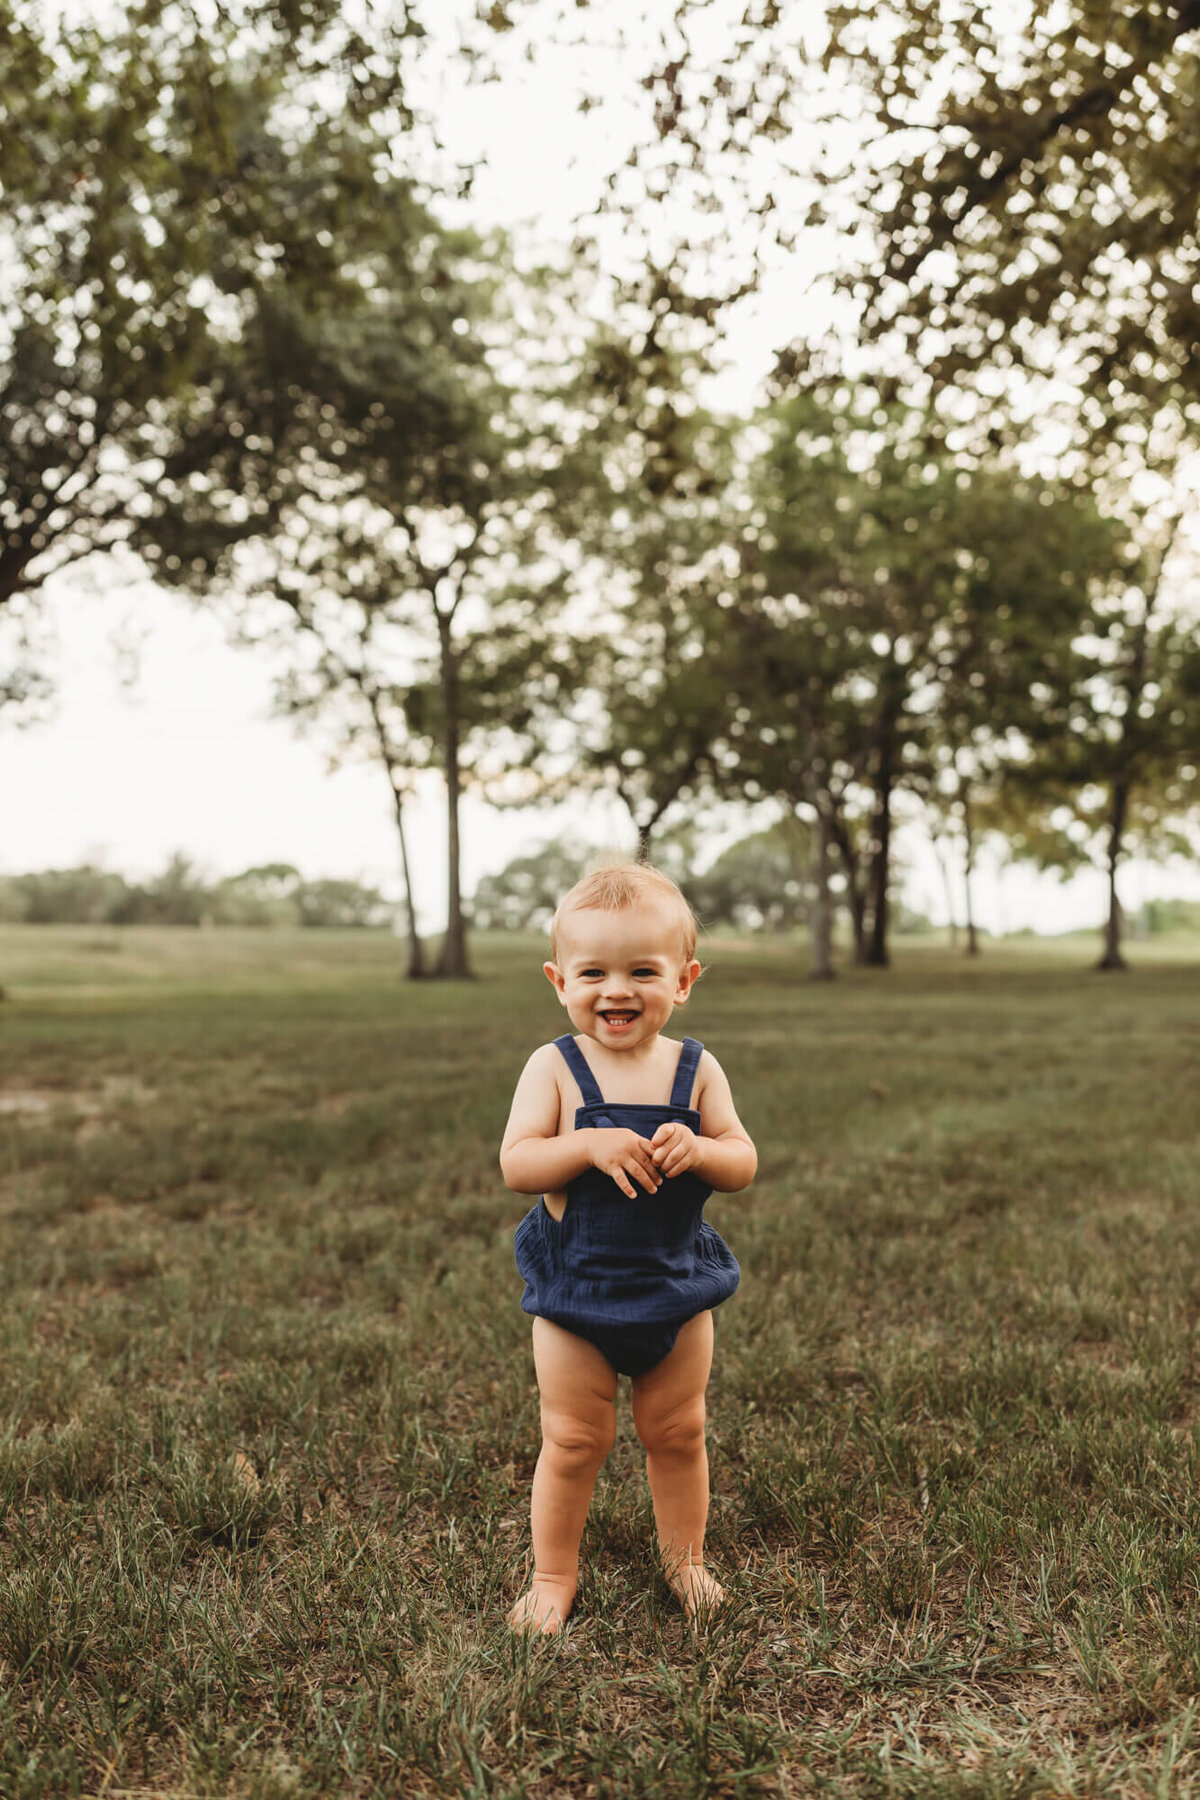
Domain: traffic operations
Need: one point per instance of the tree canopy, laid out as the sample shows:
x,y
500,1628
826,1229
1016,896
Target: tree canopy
x,y
173,194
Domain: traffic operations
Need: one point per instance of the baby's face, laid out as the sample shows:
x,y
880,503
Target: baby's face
x,y
620,975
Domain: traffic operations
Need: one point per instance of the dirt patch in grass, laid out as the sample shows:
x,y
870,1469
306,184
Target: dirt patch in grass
x,y
19,1101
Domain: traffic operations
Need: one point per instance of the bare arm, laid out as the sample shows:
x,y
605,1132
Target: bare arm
x,y
533,1160
722,1152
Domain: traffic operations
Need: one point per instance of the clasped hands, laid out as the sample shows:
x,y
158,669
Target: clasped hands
x,y
627,1158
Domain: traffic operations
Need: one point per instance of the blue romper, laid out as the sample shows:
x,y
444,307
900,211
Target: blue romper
x,y
626,1274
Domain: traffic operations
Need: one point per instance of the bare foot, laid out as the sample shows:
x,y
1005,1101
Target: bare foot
x,y
698,1592
542,1610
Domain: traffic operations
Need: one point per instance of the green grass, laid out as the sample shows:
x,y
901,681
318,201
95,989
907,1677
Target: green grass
x,y
250,1203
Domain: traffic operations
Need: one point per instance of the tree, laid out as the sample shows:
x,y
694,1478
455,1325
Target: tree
x,y
899,615
1033,185
179,896
1032,249
331,329
645,492
333,665
524,894
1123,771
1036,557
849,552
157,228
1142,704
658,687
410,570
762,882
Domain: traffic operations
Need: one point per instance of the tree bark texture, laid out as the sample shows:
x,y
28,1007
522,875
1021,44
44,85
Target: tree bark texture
x,y
856,899
452,963
416,954
877,949
969,872
822,914
1123,779
947,889
1118,810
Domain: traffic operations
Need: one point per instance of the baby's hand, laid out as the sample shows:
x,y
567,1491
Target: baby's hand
x,y
621,1153
675,1148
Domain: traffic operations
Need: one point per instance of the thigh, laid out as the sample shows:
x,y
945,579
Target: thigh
x,y
572,1375
680,1379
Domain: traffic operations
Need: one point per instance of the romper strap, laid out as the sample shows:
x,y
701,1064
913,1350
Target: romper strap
x,y
685,1072
577,1062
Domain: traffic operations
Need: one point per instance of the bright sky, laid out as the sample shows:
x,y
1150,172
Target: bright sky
x,y
186,756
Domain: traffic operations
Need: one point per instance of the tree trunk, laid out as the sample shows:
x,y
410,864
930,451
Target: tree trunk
x,y
452,963
856,899
877,950
416,954
643,843
947,887
822,914
1123,780
1112,958
968,872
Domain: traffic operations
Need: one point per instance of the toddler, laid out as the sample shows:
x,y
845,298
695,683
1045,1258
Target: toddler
x,y
624,1133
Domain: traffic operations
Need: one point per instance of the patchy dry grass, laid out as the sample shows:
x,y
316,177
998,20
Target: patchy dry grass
x,y
253,1210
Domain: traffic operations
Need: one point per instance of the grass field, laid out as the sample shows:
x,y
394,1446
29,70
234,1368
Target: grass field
x,y
249,1203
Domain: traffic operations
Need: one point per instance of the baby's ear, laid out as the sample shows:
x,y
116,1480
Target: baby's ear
x,y
687,976
554,976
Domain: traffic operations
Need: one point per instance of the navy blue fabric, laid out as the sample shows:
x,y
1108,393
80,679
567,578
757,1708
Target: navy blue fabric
x,y
626,1274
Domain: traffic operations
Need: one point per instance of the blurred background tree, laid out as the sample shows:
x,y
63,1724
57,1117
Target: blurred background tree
x,y
1032,187
524,894
273,894
163,221
408,575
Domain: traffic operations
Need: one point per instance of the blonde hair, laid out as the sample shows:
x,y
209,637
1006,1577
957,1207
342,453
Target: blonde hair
x,y
614,886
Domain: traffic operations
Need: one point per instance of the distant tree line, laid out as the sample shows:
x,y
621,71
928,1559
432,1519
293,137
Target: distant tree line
x,y
484,514
763,882
273,894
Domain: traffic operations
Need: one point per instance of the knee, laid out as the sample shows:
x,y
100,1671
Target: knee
x,y
678,1431
579,1443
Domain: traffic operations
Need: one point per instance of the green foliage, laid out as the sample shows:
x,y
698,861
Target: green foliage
x,y
489,514
524,894
1032,191
903,620
405,560
84,896
762,882
166,226
647,492
275,894
1159,916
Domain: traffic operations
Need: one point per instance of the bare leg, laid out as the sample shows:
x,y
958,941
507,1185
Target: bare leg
x,y
668,1410
579,1424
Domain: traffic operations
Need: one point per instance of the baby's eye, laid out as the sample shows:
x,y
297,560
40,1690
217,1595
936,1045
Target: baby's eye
x,y
644,974
592,974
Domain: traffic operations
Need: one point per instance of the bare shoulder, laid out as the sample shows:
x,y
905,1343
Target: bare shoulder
x,y
714,1102
537,1102
710,1074
543,1067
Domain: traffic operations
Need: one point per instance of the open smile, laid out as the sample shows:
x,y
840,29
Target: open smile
x,y
617,1021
